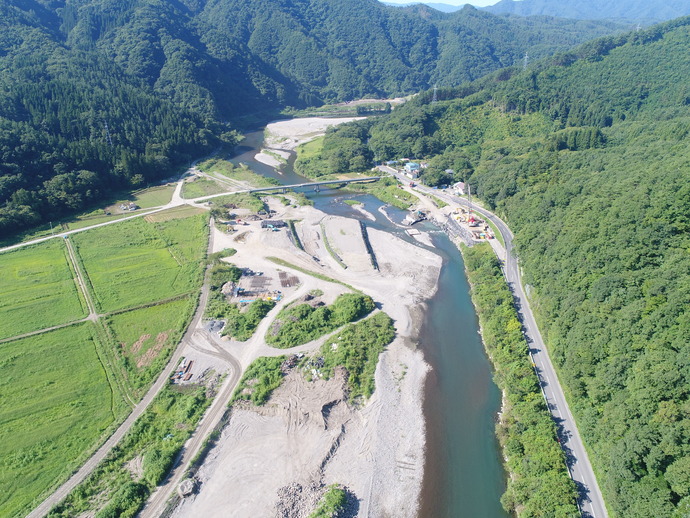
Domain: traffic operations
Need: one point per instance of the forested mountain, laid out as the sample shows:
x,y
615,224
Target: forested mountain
x,y
637,10
587,156
105,94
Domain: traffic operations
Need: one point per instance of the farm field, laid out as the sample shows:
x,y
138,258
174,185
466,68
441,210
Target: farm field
x,y
145,338
146,198
201,187
37,290
54,386
183,211
138,262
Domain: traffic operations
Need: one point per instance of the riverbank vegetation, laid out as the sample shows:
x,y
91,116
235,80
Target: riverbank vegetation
x,y
538,484
261,378
387,190
357,349
240,325
332,502
302,323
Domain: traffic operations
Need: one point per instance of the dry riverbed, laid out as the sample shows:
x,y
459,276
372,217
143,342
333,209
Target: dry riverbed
x,y
276,460
283,137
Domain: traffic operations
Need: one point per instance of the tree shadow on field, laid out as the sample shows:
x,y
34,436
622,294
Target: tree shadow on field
x,y
351,509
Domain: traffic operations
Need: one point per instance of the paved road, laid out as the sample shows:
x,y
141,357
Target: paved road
x,y
591,501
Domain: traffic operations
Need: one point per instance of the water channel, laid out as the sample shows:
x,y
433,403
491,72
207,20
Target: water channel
x,y
463,474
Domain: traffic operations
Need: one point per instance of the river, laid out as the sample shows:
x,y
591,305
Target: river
x,y
463,476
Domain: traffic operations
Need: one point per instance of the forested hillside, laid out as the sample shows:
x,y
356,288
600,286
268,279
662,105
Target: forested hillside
x,y
587,156
99,95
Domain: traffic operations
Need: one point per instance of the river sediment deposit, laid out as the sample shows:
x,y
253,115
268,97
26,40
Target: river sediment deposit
x,y
275,460
423,444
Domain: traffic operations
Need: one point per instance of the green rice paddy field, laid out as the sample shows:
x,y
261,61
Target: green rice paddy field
x,y
56,402
37,289
57,399
138,262
146,337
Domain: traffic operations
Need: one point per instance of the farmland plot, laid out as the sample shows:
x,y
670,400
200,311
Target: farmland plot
x,y
56,404
138,262
37,289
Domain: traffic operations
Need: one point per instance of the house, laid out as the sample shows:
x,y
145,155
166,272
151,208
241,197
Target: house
x,y
459,188
412,169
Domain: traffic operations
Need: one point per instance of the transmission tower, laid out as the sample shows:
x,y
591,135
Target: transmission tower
x,y
525,61
107,134
434,100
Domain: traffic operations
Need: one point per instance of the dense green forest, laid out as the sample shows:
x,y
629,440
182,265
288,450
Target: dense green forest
x,y
104,95
587,156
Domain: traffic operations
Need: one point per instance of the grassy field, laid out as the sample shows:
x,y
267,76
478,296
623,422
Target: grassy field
x,y
56,404
386,190
311,149
242,201
240,173
137,262
37,289
181,212
201,187
145,338
145,198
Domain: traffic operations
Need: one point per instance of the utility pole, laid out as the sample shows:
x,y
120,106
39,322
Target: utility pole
x,y
107,134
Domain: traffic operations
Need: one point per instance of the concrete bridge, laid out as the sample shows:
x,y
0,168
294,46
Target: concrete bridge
x,y
315,185
284,188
